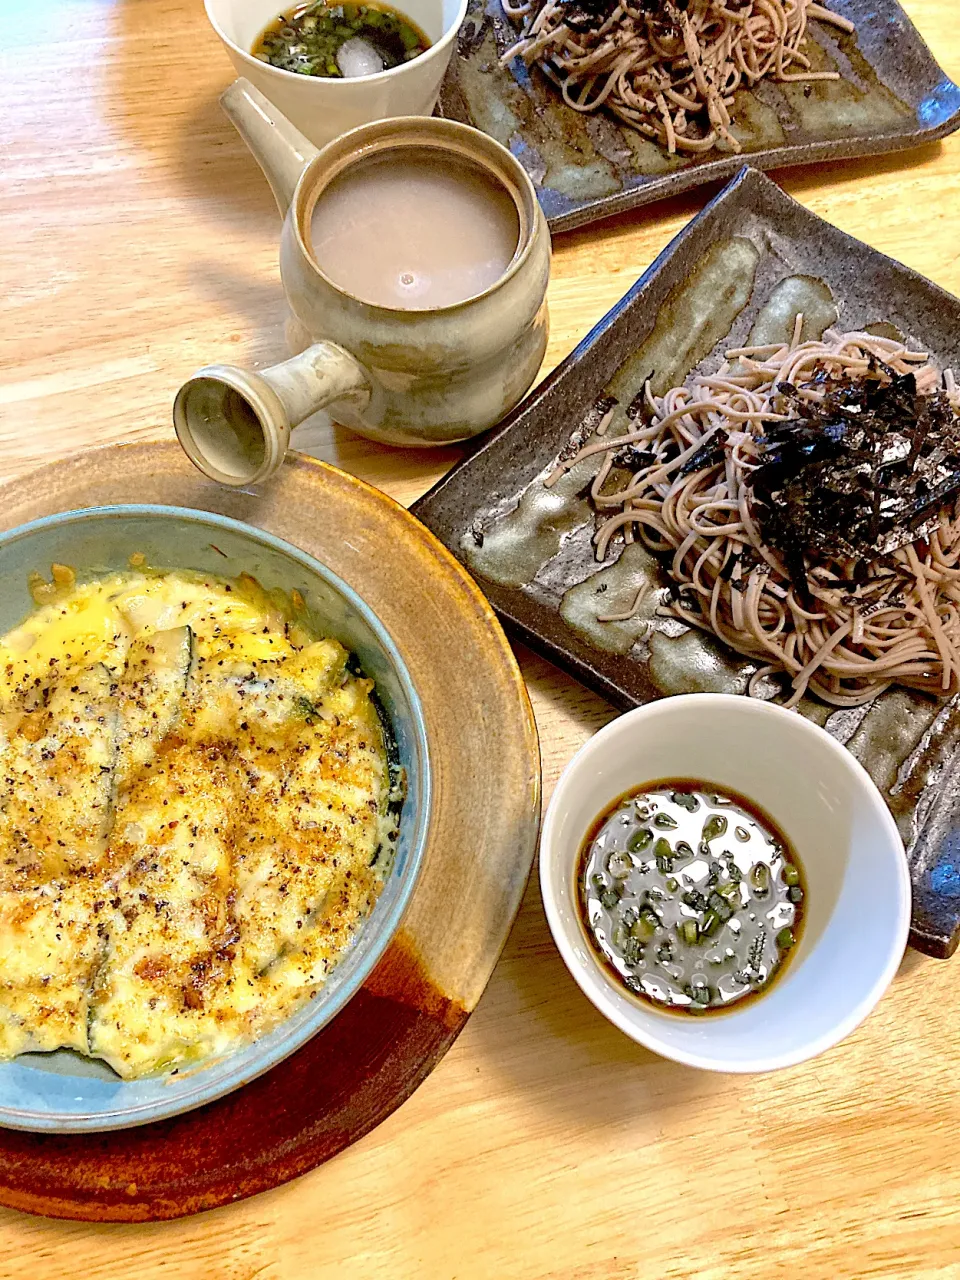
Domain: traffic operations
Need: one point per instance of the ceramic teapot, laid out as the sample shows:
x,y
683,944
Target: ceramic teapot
x,y
427,376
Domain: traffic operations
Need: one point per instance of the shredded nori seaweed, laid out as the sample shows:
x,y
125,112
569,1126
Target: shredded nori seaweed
x,y
708,455
587,15
856,475
633,459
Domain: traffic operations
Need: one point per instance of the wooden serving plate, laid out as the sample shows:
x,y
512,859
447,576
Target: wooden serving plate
x,y
480,848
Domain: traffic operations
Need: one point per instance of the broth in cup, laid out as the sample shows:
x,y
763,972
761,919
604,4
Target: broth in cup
x,y
340,40
323,105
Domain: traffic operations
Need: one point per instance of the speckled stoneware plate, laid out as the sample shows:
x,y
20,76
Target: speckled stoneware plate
x,y
891,95
745,265
482,828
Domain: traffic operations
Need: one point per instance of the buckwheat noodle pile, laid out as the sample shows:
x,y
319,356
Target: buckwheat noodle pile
x,y
669,68
805,500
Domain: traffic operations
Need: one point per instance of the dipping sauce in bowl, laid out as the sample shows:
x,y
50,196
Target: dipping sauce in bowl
x,y
340,40
690,894
806,794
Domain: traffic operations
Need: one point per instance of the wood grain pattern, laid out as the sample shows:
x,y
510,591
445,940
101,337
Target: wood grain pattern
x,y
138,242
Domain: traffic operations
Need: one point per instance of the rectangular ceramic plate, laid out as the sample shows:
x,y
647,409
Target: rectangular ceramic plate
x,y
749,261
891,95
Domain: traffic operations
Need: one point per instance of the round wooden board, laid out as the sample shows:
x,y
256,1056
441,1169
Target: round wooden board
x,y
480,848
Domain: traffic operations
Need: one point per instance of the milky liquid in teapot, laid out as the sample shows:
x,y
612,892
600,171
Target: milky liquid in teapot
x,y
414,230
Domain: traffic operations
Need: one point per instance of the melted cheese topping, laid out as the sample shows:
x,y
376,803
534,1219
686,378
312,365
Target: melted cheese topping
x,y
193,799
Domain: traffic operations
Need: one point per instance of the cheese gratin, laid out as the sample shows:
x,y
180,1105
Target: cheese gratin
x,y
194,797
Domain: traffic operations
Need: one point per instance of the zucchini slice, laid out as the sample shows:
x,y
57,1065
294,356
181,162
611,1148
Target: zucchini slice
x,y
49,949
151,694
61,760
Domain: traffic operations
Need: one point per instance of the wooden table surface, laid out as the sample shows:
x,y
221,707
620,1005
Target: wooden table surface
x,y
138,241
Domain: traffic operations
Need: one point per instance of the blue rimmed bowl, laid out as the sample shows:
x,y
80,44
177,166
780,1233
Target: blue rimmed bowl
x,y
63,1092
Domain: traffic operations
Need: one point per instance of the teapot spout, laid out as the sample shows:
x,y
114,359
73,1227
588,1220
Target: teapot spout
x,y
235,424
281,150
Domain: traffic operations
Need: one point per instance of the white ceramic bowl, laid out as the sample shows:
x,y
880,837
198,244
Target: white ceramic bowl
x,y
858,891
323,109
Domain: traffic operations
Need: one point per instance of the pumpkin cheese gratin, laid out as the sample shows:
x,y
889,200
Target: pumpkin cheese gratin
x,y
195,816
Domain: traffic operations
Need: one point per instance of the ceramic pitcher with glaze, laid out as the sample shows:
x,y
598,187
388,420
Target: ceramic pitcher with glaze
x,y
404,377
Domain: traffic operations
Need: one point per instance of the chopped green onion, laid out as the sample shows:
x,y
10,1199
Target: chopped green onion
x,y
686,800
631,951
720,906
760,878
309,39
710,924
639,840
715,825
647,925
688,931
619,865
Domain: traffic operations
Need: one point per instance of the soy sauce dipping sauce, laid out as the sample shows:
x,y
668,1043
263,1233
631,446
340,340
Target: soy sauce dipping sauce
x,y
339,41
691,894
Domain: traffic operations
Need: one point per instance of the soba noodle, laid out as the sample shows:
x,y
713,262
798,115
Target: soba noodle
x,y
901,626
670,70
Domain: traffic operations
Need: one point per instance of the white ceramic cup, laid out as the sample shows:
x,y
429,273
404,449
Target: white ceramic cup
x,y
857,907
322,109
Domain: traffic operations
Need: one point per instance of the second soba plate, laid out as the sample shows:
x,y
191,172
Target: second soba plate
x,y
752,259
891,95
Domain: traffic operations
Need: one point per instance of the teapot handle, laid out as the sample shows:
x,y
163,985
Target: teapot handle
x,y
234,424
280,149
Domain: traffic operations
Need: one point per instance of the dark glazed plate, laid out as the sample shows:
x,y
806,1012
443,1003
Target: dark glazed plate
x,y
892,95
746,264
